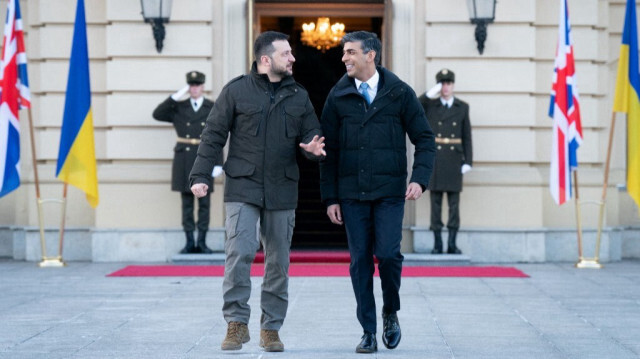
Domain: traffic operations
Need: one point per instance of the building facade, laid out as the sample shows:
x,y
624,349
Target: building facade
x,y
507,213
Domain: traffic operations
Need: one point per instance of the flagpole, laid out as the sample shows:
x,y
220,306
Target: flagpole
x,y
605,184
594,262
64,211
43,245
33,155
54,261
46,261
578,215
608,160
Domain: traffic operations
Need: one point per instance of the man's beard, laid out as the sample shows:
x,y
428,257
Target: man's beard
x,y
282,72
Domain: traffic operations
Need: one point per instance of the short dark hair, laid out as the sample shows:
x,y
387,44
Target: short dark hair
x,y
368,40
264,43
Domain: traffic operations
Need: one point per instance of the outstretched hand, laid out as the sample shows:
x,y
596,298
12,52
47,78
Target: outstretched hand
x,y
316,146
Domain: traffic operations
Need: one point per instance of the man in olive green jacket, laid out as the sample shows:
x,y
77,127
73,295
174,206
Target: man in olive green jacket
x,y
267,116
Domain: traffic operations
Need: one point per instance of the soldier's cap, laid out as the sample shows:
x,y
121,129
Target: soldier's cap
x,y
195,78
445,75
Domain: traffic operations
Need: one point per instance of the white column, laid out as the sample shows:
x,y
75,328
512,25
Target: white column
x,y
404,40
234,47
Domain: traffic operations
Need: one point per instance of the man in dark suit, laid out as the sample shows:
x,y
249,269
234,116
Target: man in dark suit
x,y
449,119
188,118
363,180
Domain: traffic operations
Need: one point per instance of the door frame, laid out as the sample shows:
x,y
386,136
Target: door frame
x,y
295,9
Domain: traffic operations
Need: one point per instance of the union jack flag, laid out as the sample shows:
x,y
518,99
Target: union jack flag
x,y
14,95
564,109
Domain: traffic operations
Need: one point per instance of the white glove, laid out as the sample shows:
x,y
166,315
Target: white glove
x,y
434,92
217,171
465,168
176,96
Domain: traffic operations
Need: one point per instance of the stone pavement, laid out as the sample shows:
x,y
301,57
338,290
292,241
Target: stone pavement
x,y
559,312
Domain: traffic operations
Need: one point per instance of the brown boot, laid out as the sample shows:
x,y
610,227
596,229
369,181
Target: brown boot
x,y
237,333
270,341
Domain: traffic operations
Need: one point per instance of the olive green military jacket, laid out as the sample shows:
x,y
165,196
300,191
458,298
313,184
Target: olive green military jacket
x,y
264,128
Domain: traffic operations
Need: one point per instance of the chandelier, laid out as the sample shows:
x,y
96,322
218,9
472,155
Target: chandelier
x,y
322,36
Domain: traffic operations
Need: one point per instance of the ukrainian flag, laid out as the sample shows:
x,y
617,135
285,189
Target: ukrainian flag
x,y
627,97
76,157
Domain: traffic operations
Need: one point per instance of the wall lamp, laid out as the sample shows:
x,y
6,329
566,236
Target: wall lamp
x,y
156,12
481,13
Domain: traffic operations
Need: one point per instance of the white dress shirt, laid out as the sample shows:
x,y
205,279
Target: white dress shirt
x,y
197,103
373,85
447,103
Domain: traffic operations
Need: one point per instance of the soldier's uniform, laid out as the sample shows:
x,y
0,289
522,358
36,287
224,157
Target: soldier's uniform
x,y
188,122
452,129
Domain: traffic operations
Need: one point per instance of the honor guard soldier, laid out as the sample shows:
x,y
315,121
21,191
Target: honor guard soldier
x,y
449,119
188,118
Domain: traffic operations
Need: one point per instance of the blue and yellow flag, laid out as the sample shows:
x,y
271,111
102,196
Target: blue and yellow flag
x,y
627,97
77,155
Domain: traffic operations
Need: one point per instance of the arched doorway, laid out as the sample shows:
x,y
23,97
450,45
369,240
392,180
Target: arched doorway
x,y
317,71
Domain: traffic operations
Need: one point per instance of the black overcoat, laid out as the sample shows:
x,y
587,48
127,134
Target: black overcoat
x,y
367,145
188,124
449,124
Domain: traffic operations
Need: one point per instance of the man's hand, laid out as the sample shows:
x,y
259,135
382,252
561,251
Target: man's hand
x,y
434,92
414,191
335,214
199,189
316,146
176,96
465,168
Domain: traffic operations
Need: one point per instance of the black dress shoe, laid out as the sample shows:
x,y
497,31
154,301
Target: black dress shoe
x,y
391,333
368,344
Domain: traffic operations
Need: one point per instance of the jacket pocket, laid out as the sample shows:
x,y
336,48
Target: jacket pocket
x,y
248,118
231,222
238,168
292,172
293,116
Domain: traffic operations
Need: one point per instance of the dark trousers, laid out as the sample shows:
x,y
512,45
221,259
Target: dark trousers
x,y
374,228
188,222
453,198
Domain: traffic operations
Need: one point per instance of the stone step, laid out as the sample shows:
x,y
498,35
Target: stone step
x,y
410,259
423,259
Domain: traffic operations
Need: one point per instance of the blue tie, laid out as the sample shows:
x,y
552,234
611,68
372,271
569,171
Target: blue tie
x,y
363,90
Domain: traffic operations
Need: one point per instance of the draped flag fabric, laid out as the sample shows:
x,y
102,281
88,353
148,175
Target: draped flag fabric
x,y
627,97
76,157
564,109
14,96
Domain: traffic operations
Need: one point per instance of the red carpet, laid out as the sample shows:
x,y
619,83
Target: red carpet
x,y
313,270
298,256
